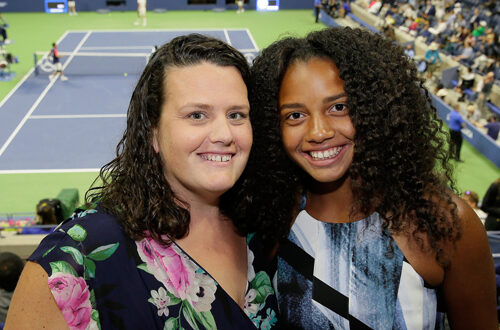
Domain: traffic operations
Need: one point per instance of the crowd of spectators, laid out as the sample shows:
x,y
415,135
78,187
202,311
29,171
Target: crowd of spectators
x,y
467,30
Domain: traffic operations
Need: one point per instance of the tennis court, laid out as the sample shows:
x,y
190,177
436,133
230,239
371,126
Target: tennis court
x,y
73,126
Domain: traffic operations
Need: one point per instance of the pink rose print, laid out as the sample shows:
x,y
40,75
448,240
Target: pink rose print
x,y
168,266
73,298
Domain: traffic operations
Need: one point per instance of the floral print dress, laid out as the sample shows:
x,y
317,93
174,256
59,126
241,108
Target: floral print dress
x,y
102,279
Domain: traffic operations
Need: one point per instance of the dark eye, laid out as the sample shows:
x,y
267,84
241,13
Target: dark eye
x,y
339,107
294,116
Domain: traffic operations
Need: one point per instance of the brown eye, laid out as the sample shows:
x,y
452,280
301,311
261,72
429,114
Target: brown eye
x,y
339,107
294,116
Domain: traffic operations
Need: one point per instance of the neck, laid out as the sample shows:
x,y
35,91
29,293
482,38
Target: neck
x,y
331,202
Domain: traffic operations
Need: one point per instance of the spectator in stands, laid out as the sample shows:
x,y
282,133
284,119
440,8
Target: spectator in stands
x,y
467,55
491,205
11,267
493,127
389,32
429,11
484,88
345,8
474,19
409,51
465,82
472,199
479,29
330,157
473,114
455,123
460,22
432,59
47,213
375,6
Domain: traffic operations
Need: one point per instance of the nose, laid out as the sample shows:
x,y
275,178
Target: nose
x,y
221,131
320,129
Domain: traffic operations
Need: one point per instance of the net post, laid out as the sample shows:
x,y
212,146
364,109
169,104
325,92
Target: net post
x,y
36,67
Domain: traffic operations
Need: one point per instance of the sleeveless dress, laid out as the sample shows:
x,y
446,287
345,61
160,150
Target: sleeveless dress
x,y
102,279
350,276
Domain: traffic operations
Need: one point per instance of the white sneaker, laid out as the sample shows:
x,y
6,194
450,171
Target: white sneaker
x,y
136,23
6,41
52,77
64,78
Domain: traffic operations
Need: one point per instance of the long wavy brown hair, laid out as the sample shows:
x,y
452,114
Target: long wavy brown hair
x,y
401,165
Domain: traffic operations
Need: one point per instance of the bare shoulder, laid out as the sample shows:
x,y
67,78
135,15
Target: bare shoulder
x,y
469,286
32,305
467,282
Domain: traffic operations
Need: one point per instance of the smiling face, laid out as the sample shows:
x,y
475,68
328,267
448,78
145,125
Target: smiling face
x,y
204,134
317,131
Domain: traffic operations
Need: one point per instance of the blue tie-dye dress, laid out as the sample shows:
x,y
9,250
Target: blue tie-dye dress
x,y
350,276
102,279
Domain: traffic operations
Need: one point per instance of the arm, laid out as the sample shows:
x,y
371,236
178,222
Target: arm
x,y
33,306
489,201
469,284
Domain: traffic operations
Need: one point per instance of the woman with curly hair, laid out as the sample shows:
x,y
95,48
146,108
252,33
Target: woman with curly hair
x,y
347,142
158,251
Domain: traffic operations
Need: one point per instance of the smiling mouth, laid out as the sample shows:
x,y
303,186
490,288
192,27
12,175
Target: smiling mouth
x,y
217,157
326,154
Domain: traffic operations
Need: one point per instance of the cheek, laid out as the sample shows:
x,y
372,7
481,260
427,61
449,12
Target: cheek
x,y
243,136
291,138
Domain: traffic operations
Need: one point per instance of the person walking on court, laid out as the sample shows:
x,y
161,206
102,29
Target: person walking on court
x,y
141,12
54,54
72,8
456,123
240,6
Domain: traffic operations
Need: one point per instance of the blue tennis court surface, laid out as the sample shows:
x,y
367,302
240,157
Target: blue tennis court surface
x,y
75,125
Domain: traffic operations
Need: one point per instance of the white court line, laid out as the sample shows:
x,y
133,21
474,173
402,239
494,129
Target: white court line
x,y
71,170
248,50
226,35
251,39
25,77
78,116
39,99
157,30
115,47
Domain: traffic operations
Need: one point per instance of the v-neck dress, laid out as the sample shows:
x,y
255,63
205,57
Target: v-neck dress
x,y
102,279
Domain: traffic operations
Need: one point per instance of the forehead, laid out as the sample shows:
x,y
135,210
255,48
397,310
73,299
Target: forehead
x,y
200,77
313,74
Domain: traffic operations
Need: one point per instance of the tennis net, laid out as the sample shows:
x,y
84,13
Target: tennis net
x,y
90,63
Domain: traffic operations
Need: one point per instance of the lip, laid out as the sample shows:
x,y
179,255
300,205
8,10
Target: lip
x,y
328,161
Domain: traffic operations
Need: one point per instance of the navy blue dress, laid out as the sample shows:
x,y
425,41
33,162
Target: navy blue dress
x,y
102,279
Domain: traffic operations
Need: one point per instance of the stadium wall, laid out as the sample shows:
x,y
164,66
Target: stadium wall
x,y
131,5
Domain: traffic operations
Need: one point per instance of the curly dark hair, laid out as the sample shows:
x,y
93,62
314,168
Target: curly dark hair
x,y
400,166
132,186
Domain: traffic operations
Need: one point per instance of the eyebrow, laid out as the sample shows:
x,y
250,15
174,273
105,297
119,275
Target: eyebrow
x,y
205,106
300,105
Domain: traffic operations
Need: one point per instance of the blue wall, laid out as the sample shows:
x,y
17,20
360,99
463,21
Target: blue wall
x,y
483,143
93,5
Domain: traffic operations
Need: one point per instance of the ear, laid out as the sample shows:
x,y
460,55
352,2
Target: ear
x,y
156,144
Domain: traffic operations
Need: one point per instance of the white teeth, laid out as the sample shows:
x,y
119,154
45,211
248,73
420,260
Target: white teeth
x,y
216,158
330,153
